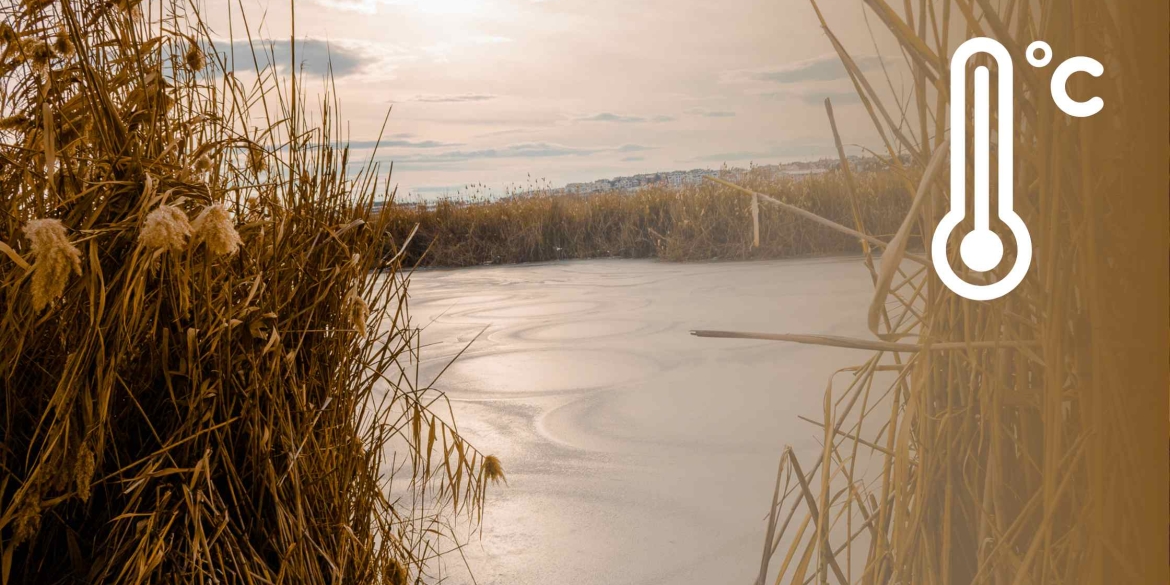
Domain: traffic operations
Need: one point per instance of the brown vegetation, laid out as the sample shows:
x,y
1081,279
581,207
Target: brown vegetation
x,y
1020,440
700,222
205,358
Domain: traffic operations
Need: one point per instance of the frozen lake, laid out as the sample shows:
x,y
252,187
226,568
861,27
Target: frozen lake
x,y
635,453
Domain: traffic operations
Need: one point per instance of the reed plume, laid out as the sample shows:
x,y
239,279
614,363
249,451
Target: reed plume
x,y
359,313
194,58
493,470
55,258
62,45
165,228
213,226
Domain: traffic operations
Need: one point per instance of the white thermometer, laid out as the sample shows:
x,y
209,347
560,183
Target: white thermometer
x,y
981,249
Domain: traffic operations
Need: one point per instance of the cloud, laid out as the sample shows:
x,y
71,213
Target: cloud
x,y
313,56
507,132
710,113
454,98
620,119
633,158
511,123
837,97
362,6
790,149
634,148
436,189
489,40
815,97
434,7
523,150
823,68
401,144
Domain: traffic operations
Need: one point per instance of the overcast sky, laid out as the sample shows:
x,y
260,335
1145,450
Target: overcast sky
x,y
495,91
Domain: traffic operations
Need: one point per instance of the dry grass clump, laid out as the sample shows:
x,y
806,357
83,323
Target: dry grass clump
x,y
700,222
1020,440
199,402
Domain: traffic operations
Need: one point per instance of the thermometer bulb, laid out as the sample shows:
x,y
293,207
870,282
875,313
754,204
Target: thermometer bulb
x,y
981,250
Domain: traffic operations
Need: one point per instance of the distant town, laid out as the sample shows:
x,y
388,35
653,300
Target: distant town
x,y
666,178
695,176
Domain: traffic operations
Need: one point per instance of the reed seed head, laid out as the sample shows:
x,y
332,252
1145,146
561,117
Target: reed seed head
x,y
33,6
62,45
16,122
8,35
194,58
359,313
55,258
493,470
165,228
28,518
214,227
28,521
39,54
394,573
131,7
83,472
256,160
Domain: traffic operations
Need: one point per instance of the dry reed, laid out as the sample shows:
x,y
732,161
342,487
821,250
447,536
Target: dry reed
x,y
1020,440
698,222
200,402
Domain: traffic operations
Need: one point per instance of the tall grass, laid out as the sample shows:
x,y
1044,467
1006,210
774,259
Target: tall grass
x,y
1020,440
699,222
204,363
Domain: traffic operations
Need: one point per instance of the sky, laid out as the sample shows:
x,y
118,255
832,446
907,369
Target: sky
x,y
507,93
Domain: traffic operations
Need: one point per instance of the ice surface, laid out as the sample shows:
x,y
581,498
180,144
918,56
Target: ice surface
x,y
635,453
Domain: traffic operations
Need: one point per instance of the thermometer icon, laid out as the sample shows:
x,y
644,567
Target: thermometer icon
x,y
981,249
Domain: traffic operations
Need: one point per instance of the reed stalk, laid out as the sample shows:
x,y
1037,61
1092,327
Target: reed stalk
x,y
707,221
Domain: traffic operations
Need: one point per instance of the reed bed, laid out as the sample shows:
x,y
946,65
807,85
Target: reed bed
x,y
206,359
1020,440
676,223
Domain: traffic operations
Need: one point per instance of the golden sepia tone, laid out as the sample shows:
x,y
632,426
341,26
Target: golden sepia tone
x,y
193,394
700,222
233,352
1019,444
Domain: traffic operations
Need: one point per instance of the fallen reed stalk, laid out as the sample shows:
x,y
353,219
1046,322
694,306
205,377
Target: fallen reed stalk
x,y
855,343
865,238
206,359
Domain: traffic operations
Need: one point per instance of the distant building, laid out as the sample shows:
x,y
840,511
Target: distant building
x,y
695,176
